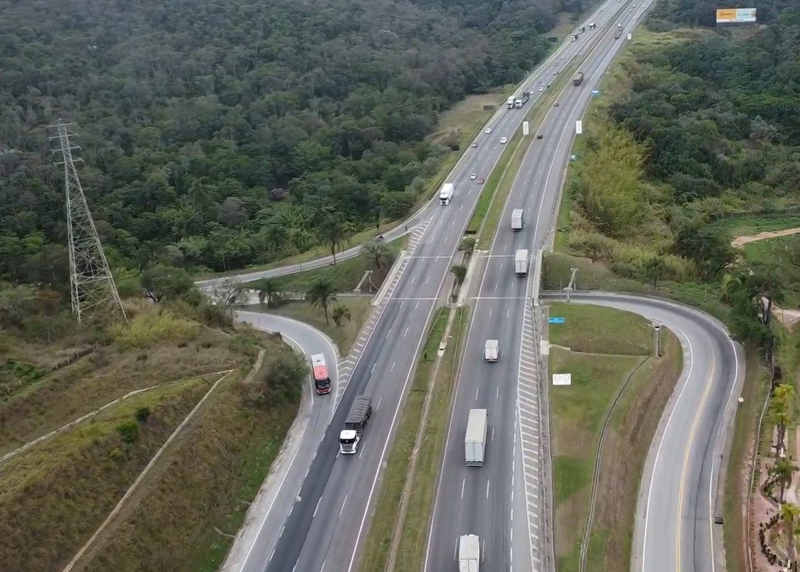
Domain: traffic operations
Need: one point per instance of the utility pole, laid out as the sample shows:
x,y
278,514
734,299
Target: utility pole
x,y
92,286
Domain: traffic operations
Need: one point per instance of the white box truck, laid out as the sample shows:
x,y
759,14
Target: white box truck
x,y
491,351
516,219
446,194
510,102
475,440
469,553
521,262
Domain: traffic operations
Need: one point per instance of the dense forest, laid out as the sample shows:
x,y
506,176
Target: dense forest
x,y
223,133
702,125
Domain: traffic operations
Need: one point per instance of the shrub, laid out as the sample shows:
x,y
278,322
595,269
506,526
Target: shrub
x,y
128,431
142,414
153,327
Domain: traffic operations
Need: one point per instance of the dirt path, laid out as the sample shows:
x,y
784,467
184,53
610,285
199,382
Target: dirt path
x,y
740,241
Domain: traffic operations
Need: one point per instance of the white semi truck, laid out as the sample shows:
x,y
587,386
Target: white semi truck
x,y
446,194
510,102
516,219
354,425
469,553
475,439
521,262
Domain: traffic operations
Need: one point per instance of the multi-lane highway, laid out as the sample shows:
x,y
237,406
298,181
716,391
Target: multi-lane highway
x,y
325,525
501,502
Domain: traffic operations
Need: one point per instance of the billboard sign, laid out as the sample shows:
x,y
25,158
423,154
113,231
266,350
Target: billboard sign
x,y
562,379
736,16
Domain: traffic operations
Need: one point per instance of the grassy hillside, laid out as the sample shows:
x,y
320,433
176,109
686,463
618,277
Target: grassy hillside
x,y
55,494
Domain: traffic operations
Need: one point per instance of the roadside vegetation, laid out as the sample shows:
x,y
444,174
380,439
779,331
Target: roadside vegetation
x,y
691,145
614,376
56,493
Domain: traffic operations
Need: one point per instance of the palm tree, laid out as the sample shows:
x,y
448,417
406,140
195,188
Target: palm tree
x,y
781,408
267,290
341,313
789,514
783,471
332,233
321,294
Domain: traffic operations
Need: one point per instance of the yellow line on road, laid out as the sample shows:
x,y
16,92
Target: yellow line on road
x,y
686,466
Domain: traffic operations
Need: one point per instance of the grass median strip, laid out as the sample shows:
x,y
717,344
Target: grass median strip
x,y
600,366
414,526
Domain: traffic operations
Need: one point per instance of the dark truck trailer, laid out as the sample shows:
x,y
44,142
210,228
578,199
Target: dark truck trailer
x,y
577,79
354,424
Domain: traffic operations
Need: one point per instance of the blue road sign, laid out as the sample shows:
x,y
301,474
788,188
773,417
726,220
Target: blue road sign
x,y
556,320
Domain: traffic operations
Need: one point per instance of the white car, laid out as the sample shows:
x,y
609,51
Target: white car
x,y
473,176
541,89
503,141
488,130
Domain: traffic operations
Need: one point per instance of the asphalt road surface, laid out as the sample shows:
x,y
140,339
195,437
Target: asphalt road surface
x,y
501,502
325,525
675,530
259,539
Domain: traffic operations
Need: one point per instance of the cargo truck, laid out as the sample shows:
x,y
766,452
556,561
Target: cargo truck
x,y
519,102
446,194
592,25
354,425
475,438
510,102
491,351
469,553
577,79
516,219
322,381
521,262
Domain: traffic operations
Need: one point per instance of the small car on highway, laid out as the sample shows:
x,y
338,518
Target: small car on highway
x,y
541,89
474,145
481,181
503,140
473,176
539,136
555,104
488,130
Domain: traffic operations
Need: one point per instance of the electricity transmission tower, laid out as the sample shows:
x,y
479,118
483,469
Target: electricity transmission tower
x,y
91,283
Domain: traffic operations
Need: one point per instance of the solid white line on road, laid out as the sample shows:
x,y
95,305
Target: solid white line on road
x,y
463,482
393,363
487,487
316,508
342,509
406,332
323,566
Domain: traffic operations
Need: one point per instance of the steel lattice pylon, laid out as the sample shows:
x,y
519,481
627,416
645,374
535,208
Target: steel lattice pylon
x,y
91,283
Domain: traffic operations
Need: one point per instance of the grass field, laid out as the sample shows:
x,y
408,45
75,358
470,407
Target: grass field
x,y
778,252
600,365
344,337
54,495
